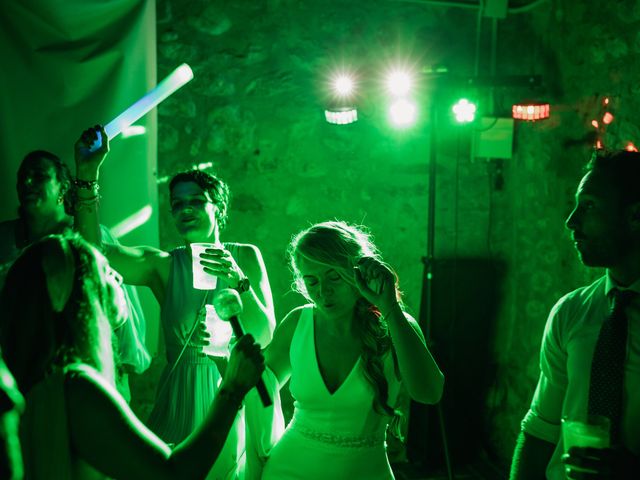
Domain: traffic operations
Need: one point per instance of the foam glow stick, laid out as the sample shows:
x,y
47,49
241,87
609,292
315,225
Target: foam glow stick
x,y
176,79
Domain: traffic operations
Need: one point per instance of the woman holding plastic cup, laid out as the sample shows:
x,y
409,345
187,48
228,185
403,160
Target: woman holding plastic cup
x,y
199,203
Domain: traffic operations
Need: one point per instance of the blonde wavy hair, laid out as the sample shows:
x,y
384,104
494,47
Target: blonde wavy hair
x,y
340,245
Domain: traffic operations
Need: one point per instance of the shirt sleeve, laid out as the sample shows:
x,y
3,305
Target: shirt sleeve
x,y
543,418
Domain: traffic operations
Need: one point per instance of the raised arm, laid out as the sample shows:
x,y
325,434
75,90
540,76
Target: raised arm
x,y
144,266
420,373
124,448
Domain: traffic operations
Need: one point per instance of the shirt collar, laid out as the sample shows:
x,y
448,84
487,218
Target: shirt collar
x,y
610,284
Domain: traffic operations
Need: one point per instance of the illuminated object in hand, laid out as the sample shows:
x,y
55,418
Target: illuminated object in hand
x,y
176,79
530,111
464,110
341,116
403,113
631,147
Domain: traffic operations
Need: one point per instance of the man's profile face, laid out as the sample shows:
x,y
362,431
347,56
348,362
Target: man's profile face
x,y
38,186
597,223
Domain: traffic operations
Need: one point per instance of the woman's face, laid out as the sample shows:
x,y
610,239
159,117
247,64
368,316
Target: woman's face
x,y
194,212
327,289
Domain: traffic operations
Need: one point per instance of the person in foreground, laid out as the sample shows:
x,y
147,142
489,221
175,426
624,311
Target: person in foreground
x,y
45,190
590,356
58,302
346,354
189,383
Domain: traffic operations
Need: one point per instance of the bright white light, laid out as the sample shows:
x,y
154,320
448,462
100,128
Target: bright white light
x,y
166,87
343,116
403,113
343,85
133,130
132,222
399,83
464,110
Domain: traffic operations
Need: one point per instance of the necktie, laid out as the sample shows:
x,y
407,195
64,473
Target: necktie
x,y
607,367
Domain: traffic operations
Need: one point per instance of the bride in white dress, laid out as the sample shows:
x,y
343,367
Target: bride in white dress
x,y
345,354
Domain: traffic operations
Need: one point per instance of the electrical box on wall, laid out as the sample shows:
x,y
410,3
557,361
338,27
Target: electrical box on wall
x,y
493,138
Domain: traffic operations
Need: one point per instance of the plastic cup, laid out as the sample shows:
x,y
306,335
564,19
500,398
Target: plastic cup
x,y
591,431
220,333
201,279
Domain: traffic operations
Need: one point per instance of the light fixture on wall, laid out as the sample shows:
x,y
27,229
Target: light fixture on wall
x,y
342,110
530,111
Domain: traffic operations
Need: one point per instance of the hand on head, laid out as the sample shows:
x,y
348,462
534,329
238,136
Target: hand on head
x,y
376,282
245,366
87,161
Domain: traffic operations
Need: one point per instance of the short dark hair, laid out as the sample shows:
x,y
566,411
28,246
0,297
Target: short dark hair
x,y
63,174
211,184
623,168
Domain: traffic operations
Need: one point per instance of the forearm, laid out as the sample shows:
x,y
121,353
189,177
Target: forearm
x,y
194,457
420,372
257,318
86,206
530,458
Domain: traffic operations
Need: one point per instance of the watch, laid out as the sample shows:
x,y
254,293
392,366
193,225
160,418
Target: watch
x,y
243,285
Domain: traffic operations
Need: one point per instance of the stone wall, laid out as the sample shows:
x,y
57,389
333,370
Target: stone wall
x,y
255,111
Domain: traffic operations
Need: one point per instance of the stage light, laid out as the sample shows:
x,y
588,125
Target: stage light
x,y
343,85
403,113
465,111
399,83
531,111
341,116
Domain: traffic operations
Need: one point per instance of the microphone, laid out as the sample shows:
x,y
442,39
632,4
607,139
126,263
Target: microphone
x,y
228,305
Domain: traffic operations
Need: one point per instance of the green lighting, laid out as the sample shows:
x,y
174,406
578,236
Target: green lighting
x,y
343,85
403,113
465,111
399,83
132,222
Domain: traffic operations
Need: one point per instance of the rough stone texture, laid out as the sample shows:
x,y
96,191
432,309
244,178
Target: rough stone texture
x,y
255,110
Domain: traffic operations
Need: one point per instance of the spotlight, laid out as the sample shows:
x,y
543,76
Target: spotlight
x,y
533,112
403,113
399,83
464,110
343,85
341,116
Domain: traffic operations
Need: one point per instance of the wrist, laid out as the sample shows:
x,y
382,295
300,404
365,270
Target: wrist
x,y
389,309
87,174
231,395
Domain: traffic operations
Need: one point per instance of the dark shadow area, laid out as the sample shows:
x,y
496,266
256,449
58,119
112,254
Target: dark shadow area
x,y
466,294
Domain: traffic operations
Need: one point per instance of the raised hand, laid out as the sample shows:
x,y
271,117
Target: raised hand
x,y
376,283
88,162
245,366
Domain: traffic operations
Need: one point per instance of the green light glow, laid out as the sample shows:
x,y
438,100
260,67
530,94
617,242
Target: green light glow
x,y
464,110
403,113
399,83
343,85
132,222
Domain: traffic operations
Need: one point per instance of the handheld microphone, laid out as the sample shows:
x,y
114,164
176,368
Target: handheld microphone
x,y
228,305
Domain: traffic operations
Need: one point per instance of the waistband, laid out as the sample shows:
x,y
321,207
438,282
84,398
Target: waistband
x,y
336,439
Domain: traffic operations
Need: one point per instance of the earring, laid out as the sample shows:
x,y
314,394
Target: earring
x,y
61,199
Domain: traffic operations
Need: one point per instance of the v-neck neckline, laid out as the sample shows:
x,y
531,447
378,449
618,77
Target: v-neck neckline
x,y
317,361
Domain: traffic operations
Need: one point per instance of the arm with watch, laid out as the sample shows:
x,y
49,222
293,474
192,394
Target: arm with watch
x,y
247,274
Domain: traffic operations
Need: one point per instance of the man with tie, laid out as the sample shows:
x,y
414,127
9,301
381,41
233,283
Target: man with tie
x,y
590,355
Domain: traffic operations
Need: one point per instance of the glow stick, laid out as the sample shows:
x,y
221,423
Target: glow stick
x,y
176,79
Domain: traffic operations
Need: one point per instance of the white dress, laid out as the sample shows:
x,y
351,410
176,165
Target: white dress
x,y
336,436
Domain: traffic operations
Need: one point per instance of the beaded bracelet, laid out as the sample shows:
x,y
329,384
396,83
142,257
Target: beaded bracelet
x,y
87,184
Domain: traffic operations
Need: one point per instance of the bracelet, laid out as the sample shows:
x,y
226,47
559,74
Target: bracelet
x,y
90,185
